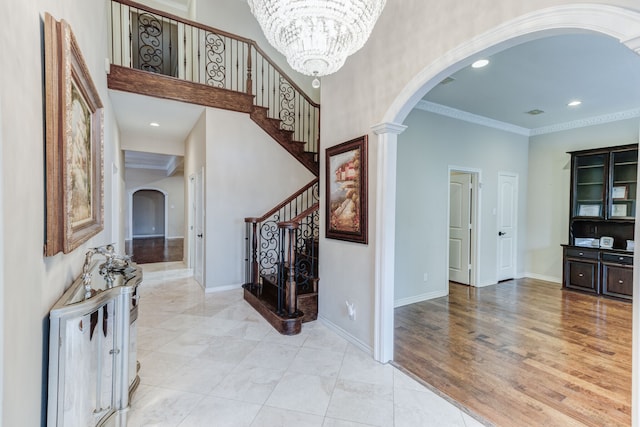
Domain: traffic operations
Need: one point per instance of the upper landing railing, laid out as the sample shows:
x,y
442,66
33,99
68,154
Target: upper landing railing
x,y
152,40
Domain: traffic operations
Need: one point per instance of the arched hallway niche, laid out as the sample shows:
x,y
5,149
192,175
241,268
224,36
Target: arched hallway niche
x,y
619,23
148,214
148,241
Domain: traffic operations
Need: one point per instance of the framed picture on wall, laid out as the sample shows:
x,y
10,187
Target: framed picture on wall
x,y
74,143
346,186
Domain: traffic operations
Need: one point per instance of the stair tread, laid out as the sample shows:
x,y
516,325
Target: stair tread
x,y
285,138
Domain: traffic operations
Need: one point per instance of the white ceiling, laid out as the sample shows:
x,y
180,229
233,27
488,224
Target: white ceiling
x,y
544,74
135,112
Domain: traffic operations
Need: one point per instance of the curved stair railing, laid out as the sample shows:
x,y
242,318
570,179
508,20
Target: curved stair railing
x,y
151,40
282,252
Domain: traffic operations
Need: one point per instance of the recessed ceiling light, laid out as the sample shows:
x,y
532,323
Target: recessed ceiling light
x,y
535,112
480,63
154,124
574,103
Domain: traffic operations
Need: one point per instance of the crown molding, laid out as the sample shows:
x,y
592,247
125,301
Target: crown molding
x,y
597,120
454,113
145,166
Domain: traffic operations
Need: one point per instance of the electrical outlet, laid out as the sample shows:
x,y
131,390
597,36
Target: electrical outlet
x,y
351,309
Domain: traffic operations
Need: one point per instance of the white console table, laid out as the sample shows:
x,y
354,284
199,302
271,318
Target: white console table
x,y
92,348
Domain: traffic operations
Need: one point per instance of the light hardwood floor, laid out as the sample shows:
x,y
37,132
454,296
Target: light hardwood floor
x,y
523,353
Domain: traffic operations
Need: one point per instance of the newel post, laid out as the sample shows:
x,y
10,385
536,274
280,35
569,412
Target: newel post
x,y
254,249
291,293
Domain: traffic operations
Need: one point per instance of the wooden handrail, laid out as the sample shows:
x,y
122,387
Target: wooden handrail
x,y
284,203
302,215
222,33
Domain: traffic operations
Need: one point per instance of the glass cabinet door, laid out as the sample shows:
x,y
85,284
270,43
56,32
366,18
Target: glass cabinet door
x,y
622,199
589,183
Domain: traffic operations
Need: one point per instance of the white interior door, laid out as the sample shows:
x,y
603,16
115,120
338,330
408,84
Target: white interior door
x,y
460,227
198,271
507,225
191,226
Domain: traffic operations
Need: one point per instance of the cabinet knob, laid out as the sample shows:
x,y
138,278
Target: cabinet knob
x,y
581,253
621,258
621,281
581,275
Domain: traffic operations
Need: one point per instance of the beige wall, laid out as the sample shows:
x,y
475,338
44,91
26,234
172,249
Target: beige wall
x,y
238,186
32,283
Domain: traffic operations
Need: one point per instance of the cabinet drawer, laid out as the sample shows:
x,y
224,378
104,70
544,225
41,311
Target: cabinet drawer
x,y
582,253
617,258
617,281
582,275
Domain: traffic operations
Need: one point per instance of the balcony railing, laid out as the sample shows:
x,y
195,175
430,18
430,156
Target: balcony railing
x,y
151,40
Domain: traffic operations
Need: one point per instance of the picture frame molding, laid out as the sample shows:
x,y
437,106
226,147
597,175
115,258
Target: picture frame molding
x,y
331,232
66,71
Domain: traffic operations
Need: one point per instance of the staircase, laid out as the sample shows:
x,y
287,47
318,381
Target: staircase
x,y
161,55
282,261
157,54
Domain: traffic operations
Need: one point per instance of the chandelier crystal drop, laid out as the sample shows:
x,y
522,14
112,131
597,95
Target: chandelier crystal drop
x,y
316,36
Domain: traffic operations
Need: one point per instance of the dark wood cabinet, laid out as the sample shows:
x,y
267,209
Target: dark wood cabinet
x,y
603,203
582,269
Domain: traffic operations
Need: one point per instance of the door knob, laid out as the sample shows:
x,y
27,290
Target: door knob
x,y
199,235
501,233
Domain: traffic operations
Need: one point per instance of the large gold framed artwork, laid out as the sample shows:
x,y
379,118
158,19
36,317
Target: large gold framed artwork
x,y
74,143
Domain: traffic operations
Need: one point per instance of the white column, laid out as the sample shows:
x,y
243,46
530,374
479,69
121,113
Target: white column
x,y
385,238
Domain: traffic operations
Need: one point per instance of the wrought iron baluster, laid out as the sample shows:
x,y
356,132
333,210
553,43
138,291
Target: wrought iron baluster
x,y
199,58
215,68
249,80
149,43
262,83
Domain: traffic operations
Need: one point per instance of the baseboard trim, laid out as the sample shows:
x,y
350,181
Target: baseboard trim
x,y
419,298
147,236
543,277
214,289
485,283
346,335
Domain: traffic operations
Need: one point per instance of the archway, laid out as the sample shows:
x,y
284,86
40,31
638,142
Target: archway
x,y
148,213
616,22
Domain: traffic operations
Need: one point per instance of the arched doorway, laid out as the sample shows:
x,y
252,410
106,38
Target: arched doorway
x,y
148,217
148,231
612,21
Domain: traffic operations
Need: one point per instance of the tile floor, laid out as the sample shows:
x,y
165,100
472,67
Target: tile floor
x,y
211,360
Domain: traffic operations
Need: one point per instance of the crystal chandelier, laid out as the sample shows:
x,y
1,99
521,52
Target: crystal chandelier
x,y
316,36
